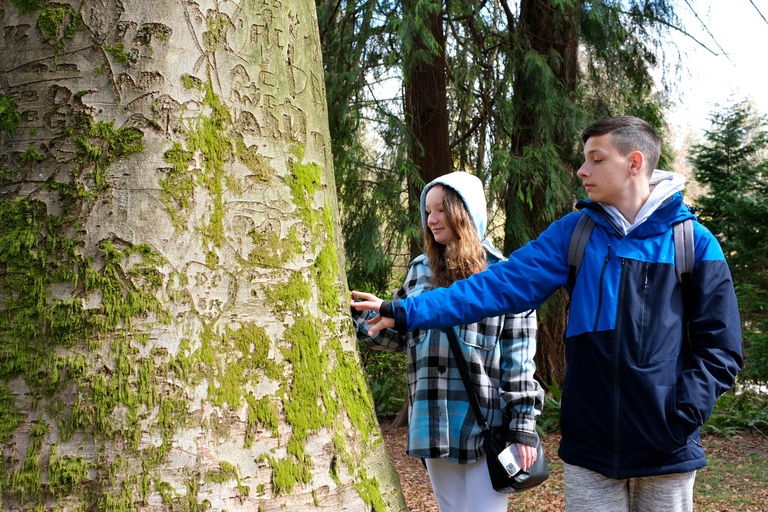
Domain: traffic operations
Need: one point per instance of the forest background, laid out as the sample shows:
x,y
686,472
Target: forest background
x,y
502,90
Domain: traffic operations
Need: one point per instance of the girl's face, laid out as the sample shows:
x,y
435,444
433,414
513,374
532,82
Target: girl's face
x,y
437,220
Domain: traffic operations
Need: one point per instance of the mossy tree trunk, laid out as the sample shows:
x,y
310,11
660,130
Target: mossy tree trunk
x,y
173,329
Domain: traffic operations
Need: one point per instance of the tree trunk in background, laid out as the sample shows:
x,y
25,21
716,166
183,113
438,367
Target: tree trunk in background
x,y
425,101
552,32
426,115
173,327
426,105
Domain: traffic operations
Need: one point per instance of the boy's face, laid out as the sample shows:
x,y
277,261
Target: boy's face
x,y
605,173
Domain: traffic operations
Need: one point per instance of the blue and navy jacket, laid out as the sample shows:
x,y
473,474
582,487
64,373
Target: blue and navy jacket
x,y
635,393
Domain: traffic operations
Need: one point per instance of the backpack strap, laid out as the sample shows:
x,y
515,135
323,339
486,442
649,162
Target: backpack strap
x,y
685,254
579,239
682,234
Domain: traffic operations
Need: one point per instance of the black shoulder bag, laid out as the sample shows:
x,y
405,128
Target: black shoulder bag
x,y
495,440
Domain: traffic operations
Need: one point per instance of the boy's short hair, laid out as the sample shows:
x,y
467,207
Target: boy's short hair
x,y
629,134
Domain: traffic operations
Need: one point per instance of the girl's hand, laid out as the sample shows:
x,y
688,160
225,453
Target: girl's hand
x,y
365,301
527,455
368,301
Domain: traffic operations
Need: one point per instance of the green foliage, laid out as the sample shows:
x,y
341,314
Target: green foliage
x,y
732,163
550,415
738,409
387,377
360,49
516,113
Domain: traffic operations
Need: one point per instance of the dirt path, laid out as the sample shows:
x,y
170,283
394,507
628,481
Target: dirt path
x,y
734,481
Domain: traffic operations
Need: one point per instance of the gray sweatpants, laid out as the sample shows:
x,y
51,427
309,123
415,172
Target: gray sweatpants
x,y
588,491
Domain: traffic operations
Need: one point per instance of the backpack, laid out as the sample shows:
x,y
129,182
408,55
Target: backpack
x,y
682,234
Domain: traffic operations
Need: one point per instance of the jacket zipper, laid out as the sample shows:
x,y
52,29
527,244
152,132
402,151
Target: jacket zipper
x,y
640,350
617,375
600,293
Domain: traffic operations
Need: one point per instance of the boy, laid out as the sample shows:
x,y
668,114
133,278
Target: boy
x,y
636,389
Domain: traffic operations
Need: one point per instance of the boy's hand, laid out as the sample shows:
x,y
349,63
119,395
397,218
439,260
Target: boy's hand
x,y
368,301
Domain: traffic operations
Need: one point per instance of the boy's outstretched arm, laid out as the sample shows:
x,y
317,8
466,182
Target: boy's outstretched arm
x,y
531,274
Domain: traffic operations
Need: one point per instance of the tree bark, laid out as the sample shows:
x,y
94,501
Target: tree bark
x,y
173,326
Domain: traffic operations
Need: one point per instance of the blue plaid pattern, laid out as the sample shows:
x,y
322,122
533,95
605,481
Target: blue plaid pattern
x,y
499,353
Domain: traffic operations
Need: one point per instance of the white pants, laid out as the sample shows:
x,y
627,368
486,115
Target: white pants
x,y
587,491
464,487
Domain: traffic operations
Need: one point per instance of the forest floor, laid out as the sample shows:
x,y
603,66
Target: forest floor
x,y
734,480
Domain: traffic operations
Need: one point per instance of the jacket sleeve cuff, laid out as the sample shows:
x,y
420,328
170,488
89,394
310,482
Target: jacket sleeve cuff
x,y
395,311
401,317
518,436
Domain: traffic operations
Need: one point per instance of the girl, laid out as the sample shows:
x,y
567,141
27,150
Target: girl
x,y
498,352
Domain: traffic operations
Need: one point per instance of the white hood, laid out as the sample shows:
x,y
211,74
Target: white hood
x,y
470,188
664,184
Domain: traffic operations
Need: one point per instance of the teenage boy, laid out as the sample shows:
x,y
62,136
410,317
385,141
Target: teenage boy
x,y
636,389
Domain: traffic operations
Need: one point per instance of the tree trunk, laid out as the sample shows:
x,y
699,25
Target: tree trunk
x,y
425,101
173,327
552,32
426,104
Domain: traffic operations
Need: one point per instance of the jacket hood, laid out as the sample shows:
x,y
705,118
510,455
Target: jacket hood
x,y
471,191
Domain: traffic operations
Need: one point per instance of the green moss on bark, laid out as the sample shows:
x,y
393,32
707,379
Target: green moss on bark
x,y
272,251
59,22
26,481
26,6
10,117
65,473
260,412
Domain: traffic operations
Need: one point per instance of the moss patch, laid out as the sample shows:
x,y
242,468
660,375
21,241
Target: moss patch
x,y
304,181
368,489
26,6
27,480
353,392
290,296
29,156
10,415
260,412
10,117
98,145
178,187
209,138
117,51
271,250
65,473
59,22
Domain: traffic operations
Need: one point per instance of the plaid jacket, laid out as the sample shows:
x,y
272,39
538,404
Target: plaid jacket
x,y
499,352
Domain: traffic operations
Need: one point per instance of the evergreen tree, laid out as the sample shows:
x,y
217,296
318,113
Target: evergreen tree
x,y
733,165
517,101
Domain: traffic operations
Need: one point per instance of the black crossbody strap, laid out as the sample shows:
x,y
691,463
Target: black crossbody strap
x,y
461,364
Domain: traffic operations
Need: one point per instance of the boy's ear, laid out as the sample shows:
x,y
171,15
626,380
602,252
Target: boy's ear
x,y
637,160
